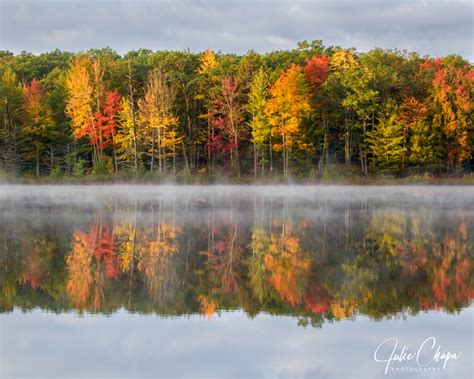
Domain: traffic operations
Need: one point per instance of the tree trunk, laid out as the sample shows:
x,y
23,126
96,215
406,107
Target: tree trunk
x,y
255,160
37,162
366,171
236,149
271,154
186,164
158,148
174,159
152,166
115,154
190,127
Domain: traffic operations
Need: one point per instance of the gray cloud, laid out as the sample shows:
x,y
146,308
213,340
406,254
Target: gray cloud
x,y
437,27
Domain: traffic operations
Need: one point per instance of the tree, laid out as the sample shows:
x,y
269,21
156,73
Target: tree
x,y
386,142
316,72
259,124
79,103
413,116
39,127
129,137
208,62
358,98
10,111
133,116
288,105
453,91
228,119
66,149
208,88
105,123
156,112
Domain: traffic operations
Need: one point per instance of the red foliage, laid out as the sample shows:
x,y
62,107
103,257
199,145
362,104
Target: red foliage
x,y
226,117
34,89
102,241
105,121
317,70
317,300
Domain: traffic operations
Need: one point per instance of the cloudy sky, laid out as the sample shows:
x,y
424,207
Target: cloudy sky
x,y
435,27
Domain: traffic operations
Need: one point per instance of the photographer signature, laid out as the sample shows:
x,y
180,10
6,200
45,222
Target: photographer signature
x,y
428,353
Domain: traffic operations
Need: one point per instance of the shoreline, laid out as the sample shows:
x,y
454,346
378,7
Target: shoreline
x,y
467,180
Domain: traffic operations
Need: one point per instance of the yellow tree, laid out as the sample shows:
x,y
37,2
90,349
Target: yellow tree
x,y
129,137
156,114
208,62
79,102
288,105
97,81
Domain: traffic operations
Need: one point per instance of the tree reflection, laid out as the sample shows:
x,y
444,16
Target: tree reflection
x,y
260,257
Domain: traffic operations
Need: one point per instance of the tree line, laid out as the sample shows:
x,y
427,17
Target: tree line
x,y
294,113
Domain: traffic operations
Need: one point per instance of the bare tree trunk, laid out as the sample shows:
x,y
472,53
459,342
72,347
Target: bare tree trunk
x,y
174,159
366,172
271,154
236,142
186,164
347,148
158,148
152,166
255,160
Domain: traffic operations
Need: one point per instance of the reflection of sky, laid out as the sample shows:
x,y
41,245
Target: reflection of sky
x,y
45,344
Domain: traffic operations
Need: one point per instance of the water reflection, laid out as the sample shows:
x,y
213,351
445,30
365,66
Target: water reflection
x,y
197,253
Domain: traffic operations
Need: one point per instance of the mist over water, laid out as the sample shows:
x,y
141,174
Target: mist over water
x,y
197,267
338,193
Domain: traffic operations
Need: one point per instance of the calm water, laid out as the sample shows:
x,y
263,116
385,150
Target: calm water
x,y
162,281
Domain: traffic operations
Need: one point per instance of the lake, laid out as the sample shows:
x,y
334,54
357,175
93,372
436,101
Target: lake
x,y
236,281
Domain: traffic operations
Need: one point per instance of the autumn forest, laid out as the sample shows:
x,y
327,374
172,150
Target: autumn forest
x,y
305,112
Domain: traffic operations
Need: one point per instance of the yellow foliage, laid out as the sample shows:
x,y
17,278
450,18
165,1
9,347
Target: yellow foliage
x,y
80,276
343,309
288,105
208,306
80,90
343,60
208,62
288,270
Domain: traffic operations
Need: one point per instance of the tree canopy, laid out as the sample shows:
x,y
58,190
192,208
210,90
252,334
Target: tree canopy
x,y
291,112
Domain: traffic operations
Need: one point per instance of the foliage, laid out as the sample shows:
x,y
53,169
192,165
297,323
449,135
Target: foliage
x,y
294,111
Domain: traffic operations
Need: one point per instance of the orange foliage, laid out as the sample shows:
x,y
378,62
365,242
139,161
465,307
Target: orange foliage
x,y
288,271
